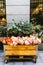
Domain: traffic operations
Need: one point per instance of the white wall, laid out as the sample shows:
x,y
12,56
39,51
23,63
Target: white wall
x,y
17,10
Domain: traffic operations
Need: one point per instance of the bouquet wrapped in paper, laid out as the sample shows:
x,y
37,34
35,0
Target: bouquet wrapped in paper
x,y
21,40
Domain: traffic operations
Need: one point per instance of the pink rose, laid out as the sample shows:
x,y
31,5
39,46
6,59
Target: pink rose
x,y
30,40
34,41
14,43
26,42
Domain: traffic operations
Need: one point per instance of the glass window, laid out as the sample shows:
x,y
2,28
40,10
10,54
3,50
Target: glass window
x,y
2,13
2,18
36,11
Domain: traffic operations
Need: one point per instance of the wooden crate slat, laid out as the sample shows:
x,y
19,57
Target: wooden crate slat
x,y
20,47
29,52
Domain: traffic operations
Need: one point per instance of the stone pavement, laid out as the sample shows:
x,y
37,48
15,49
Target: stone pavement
x,y
39,60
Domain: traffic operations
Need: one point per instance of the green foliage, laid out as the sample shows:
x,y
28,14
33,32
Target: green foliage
x,y
25,28
37,28
12,30
21,28
3,30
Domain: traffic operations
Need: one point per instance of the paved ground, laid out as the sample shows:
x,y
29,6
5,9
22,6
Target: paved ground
x,y
39,60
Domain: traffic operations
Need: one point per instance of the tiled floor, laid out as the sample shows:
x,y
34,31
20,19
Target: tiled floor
x,y
39,60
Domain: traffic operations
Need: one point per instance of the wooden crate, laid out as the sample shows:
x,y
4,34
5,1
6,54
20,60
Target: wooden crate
x,y
20,50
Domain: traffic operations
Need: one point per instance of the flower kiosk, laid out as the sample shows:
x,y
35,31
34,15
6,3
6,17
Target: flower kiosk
x,y
20,48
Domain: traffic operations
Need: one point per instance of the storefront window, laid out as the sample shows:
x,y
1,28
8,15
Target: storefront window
x,y
2,18
36,7
2,13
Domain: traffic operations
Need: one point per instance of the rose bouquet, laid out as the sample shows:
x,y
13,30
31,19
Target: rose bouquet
x,y
21,40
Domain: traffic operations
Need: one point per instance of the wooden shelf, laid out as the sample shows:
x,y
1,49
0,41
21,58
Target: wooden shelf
x,y
2,7
2,14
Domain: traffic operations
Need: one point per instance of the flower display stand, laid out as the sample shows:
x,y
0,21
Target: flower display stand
x,y
18,52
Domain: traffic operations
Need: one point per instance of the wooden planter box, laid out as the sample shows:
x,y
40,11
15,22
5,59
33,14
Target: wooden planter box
x,y
20,51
